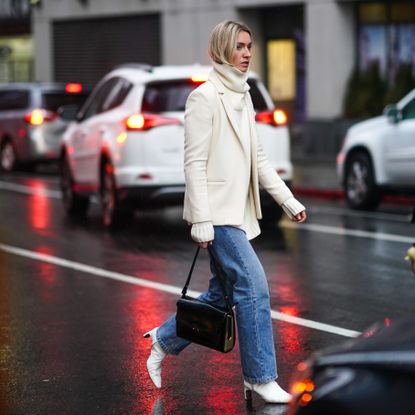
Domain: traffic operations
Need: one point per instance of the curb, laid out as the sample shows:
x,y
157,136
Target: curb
x,y
332,194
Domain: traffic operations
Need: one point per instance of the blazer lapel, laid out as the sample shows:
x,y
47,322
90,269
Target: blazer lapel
x,y
227,105
230,114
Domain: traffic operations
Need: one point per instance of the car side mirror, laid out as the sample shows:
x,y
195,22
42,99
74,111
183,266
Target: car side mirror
x,y
393,114
68,112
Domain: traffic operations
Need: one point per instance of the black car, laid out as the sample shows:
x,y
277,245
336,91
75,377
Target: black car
x,y
30,126
373,374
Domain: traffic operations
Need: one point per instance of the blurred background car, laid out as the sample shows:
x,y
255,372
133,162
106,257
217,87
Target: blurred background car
x,y
378,156
373,374
30,127
127,142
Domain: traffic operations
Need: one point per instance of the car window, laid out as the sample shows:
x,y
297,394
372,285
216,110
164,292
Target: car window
x,y
117,95
408,112
172,96
14,99
94,104
257,97
167,96
53,100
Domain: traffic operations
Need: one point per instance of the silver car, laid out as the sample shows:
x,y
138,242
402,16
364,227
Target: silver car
x,y
30,126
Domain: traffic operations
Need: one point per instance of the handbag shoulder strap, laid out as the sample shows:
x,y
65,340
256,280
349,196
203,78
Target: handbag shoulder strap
x,y
219,272
186,285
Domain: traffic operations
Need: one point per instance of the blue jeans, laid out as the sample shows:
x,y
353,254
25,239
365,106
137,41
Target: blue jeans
x,y
247,287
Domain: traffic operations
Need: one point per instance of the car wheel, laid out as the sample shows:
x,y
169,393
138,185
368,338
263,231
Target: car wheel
x,y
74,204
360,187
7,157
113,213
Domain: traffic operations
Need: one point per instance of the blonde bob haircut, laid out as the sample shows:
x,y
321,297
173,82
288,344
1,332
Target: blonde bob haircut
x,y
222,40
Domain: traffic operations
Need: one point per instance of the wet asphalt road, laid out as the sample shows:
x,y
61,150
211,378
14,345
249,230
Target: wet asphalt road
x,y
75,301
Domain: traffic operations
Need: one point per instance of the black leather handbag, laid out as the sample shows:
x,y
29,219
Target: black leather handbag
x,y
203,323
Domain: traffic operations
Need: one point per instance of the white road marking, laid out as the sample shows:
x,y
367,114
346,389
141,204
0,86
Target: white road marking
x,y
30,190
340,211
336,230
99,272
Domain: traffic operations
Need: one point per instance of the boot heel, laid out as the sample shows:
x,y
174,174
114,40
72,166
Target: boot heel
x,y
248,395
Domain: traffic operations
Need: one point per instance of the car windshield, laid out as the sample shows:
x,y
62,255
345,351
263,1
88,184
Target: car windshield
x,y
53,100
171,96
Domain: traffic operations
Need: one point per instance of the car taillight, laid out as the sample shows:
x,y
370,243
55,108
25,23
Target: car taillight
x,y
199,78
73,88
39,116
276,117
146,121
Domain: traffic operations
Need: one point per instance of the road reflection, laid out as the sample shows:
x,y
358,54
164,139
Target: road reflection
x,y
39,209
267,409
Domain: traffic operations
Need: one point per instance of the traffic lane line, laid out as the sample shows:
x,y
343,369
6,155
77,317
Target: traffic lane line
x,y
333,230
336,194
331,194
29,190
172,289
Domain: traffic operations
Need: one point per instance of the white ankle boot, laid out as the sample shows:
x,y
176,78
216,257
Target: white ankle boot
x,y
270,392
156,357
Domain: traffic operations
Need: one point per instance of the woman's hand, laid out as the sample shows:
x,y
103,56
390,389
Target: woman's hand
x,y
204,245
203,233
300,217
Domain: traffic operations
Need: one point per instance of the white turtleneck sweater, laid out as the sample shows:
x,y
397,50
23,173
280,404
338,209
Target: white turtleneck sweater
x,y
235,81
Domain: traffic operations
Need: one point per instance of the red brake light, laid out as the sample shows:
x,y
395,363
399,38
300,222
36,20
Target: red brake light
x,y
73,88
276,117
39,116
147,121
280,117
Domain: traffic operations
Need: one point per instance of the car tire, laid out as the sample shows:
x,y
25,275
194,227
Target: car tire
x,y
8,158
360,187
74,205
114,214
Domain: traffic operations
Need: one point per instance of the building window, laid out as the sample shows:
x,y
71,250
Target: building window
x,y
16,58
281,69
386,36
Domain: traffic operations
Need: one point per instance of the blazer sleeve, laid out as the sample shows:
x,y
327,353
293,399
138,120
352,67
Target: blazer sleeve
x,y
269,178
198,124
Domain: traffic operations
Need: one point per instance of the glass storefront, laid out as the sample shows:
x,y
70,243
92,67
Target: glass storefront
x,y
16,58
386,36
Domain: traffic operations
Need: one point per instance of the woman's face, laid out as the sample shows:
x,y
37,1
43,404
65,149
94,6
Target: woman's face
x,y
242,55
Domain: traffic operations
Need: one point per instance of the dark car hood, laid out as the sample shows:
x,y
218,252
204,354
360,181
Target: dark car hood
x,y
391,342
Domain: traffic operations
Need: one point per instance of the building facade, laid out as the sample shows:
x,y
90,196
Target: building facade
x,y
305,51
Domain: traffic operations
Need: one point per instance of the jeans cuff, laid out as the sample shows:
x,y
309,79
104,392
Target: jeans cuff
x,y
164,346
261,380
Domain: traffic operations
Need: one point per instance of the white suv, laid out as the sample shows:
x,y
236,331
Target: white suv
x,y
127,142
378,156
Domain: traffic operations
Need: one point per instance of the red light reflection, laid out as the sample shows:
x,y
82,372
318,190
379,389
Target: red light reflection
x,y
39,206
221,395
47,272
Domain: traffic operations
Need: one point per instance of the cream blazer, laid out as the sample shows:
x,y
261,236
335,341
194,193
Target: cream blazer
x,y
215,165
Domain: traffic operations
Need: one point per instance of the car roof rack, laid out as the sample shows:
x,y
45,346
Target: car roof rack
x,y
135,65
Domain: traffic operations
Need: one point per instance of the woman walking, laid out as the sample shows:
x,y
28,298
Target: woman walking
x,y
224,165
